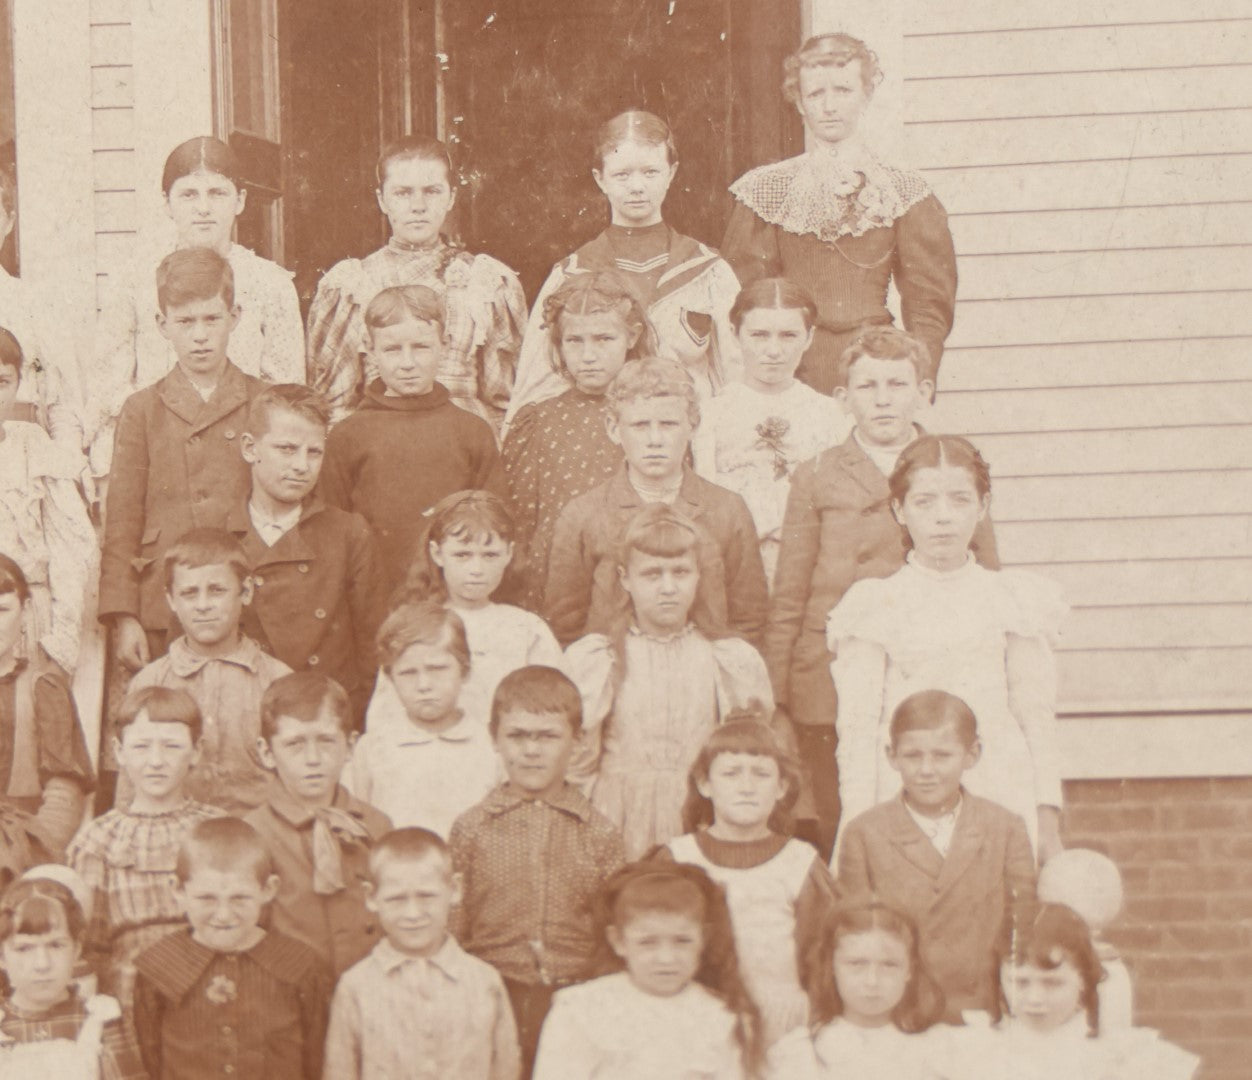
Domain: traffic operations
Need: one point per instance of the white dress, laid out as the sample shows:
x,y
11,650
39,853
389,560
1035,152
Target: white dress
x,y
608,1029
983,635
983,1052
640,738
502,638
762,902
844,1050
750,443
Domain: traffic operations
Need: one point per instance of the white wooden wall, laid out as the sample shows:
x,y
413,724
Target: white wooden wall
x,y
1096,161
113,135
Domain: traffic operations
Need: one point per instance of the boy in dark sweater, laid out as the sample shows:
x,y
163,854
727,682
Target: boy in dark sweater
x,y
408,446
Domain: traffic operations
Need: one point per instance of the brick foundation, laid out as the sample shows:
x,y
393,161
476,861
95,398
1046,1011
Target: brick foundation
x,y
1184,848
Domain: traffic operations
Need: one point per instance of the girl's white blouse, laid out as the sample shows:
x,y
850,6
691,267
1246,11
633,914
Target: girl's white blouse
x,y
608,1029
983,635
843,1050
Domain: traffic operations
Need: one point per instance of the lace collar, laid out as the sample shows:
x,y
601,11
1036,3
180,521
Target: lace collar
x,y
830,192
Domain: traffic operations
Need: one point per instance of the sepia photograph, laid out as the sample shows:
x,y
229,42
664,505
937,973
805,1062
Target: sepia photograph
x,y
625,539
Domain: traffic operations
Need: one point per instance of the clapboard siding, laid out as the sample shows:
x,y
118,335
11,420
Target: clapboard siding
x,y
960,143
1059,48
113,136
1095,363
1082,93
1096,161
1118,228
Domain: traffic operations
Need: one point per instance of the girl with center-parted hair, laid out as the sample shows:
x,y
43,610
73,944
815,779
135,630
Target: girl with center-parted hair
x,y
944,622
685,287
669,1003
204,193
658,682
485,307
1047,1022
875,1007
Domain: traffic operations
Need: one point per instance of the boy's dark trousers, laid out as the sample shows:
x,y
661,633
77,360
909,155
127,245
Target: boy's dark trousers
x,y
815,745
531,1002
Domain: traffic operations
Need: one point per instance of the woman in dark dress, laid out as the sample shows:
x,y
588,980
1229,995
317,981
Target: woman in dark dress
x,y
839,221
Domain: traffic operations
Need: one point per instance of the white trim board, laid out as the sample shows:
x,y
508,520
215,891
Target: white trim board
x,y
1179,745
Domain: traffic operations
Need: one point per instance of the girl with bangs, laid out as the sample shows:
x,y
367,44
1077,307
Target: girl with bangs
x,y
48,1027
465,558
658,682
741,792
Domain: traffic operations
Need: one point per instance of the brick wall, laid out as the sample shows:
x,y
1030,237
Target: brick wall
x,y
1185,851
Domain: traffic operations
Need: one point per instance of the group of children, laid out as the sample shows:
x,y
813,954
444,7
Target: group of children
x,y
482,735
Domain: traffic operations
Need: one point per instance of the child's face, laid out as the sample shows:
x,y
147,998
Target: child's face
x,y
208,602
941,511
39,967
11,609
594,347
412,899
634,178
661,588
428,680
407,354
653,434
930,764
9,381
871,975
772,340
203,206
224,906
473,566
199,331
416,197
287,459
535,749
156,757
743,788
661,950
1042,999
307,756
883,397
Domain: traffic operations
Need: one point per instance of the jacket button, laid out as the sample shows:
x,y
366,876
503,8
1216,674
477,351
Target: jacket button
x,y
863,556
229,434
320,613
258,581
313,661
303,568
193,439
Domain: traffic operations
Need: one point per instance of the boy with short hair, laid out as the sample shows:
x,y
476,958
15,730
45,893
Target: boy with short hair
x,y
207,587
838,528
127,857
419,996
534,853
953,861
652,413
317,592
176,463
318,834
226,997
408,445
430,763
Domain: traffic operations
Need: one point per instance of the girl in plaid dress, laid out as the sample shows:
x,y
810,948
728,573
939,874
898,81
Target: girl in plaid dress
x,y
48,1027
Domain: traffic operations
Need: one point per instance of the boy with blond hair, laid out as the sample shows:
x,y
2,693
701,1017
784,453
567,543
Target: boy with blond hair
x,y
419,995
652,413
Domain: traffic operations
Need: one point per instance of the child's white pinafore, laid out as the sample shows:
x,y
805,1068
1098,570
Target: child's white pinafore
x,y
762,902
64,1059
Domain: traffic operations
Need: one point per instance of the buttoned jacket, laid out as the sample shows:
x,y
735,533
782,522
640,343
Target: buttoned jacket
x,y
317,596
176,467
957,902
